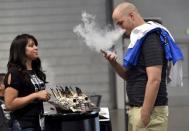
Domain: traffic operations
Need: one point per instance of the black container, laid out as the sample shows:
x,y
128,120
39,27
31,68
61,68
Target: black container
x,y
88,121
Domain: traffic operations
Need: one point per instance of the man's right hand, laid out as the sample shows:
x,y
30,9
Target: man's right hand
x,y
110,56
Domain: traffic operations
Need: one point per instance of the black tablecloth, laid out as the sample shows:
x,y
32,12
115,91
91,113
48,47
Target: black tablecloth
x,y
88,121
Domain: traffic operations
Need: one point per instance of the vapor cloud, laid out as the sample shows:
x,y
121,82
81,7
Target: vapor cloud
x,y
95,37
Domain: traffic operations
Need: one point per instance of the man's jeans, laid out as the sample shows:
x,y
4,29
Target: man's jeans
x,y
158,119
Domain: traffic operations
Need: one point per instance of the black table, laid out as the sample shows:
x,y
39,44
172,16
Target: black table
x,y
88,121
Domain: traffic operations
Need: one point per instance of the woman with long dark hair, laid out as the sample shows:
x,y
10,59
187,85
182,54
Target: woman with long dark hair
x,y
25,84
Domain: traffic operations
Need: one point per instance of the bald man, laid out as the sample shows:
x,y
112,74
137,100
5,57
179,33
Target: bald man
x,y
146,81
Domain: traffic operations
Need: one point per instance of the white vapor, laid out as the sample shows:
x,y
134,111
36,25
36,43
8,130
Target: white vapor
x,y
94,36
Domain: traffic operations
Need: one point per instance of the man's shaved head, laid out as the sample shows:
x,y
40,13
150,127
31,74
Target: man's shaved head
x,y
127,17
124,8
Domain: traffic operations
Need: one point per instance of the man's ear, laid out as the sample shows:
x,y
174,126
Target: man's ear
x,y
131,15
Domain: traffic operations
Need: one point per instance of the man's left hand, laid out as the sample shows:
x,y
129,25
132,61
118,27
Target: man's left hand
x,y
145,117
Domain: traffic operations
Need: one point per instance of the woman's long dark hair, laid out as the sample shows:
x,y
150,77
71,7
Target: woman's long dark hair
x,y
17,57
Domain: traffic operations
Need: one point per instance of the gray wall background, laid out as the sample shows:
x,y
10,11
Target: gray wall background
x,y
65,57
174,14
69,61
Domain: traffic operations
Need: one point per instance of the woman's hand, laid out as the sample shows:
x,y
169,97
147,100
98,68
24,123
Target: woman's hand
x,y
43,95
